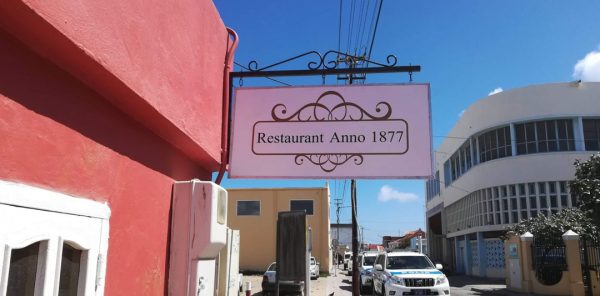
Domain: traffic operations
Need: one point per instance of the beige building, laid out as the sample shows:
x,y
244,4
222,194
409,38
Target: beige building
x,y
254,212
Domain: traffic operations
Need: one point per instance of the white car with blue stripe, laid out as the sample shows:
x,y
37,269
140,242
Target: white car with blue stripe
x,y
365,268
408,273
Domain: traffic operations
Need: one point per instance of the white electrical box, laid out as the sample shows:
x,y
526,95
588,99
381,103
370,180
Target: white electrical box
x,y
198,233
229,265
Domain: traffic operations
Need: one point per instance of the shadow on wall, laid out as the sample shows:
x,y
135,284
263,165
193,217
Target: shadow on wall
x,y
47,90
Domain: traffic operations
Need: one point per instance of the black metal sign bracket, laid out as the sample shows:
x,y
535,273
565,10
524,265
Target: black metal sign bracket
x,y
329,63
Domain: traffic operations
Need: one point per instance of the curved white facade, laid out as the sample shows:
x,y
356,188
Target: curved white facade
x,y
509,157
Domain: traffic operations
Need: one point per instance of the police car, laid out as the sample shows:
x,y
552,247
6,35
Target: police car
x,y
365,268
408,273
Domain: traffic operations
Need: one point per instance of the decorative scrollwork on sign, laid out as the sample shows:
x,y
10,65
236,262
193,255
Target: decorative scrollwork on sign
x,y
332,63
312,65
328,162
330,60
340,111
330,106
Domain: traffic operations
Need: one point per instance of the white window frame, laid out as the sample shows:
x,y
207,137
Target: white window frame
x,y
313,205
59,207
237,213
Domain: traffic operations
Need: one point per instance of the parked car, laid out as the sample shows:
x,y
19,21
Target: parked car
x,y
268,283
365,270
408,273
314,268
347,257
350,266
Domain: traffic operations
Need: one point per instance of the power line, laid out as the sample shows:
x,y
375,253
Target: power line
x,y
362,24
375,29
340,29
350,23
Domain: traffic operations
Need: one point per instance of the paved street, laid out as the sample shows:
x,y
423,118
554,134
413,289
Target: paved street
x,y
341,285
466,285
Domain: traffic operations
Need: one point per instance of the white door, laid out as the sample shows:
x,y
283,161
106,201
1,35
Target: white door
x,y
47,252
514,265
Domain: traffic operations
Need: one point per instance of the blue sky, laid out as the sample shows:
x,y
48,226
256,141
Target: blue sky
x,y
466,49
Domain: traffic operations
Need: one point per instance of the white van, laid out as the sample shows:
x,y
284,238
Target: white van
x,y
347,258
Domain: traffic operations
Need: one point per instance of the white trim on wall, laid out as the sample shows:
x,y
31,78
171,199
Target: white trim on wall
x,y
27,196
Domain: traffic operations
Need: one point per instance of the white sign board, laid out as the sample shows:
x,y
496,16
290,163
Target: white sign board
x,y
353,131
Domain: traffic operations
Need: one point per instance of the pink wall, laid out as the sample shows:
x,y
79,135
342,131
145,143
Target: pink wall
x,y
113,101
159,61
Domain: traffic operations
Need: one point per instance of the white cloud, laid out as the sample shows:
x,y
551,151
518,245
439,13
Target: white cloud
x,y
461,113
495,91
588,68
387,193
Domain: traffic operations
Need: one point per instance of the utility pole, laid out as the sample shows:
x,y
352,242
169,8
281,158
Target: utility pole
x,y
338,205
355,278
362,237
351,62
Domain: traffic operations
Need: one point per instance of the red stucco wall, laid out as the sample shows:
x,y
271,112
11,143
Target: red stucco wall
x,y
58,134
159,61
113,101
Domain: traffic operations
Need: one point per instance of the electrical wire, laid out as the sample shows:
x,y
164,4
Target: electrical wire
x,y
375,29
340,29
374,20
362,24
350,27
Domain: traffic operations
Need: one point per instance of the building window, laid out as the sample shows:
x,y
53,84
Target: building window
x,y
248,208
51,242
302,205
22,269
447,179
507,204
591,134
437,183
458,164
433,186
494,144
545,136
429,187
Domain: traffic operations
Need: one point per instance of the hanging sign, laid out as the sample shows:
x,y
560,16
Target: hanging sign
x,y
353,131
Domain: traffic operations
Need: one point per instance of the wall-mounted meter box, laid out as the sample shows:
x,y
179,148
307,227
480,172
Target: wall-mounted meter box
x,y
198,233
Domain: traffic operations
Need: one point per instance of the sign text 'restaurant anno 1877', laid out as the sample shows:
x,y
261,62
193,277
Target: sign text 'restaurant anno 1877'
x,y
354,131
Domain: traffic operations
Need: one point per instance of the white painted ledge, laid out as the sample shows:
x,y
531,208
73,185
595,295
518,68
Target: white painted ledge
x,y
21,195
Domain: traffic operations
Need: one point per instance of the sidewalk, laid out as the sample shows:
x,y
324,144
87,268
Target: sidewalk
x,y
341,285
469,285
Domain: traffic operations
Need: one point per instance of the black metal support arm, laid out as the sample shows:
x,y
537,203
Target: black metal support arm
x,y
319,72
329,63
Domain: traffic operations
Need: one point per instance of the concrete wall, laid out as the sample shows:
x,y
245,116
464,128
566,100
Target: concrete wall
x,y
258,233
571,282
345,235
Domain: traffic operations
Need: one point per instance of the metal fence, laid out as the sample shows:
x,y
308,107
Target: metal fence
x,y
589,252
549,260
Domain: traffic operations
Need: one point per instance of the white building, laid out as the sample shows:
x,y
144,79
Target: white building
x,y
341,238
345,234
509,157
